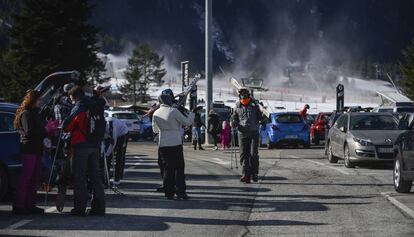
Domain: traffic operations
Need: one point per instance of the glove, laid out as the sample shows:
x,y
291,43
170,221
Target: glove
x,y
183,110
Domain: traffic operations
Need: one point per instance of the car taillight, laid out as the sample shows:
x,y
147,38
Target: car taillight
x,y
274,127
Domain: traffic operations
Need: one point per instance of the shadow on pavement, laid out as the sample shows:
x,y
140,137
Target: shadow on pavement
x,y
111,222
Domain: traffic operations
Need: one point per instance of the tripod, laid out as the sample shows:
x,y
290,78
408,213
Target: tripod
x,y
234,150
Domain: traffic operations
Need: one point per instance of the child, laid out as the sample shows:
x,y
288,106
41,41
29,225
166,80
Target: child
x,y
225,135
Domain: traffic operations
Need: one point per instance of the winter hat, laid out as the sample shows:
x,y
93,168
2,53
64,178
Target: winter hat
x,y
166,99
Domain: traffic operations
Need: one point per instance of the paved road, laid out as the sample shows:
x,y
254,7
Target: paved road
x,y
299,194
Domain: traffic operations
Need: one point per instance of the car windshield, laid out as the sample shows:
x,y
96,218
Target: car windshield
x,y
288,118
125,116
374,122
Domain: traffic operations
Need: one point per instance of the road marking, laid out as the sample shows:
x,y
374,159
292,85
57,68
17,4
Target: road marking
x,y
408,211
328,166
220,161
18,224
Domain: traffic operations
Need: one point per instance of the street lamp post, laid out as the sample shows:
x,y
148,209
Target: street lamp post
x,y
208,61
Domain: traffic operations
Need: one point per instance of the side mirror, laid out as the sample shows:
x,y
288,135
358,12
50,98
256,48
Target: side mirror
x,y
343,129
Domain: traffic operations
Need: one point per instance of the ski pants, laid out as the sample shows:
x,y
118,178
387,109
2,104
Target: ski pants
x,y
172,159
26,193
249,152
119,150
86,165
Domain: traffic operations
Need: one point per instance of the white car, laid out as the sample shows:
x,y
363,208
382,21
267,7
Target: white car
x,y
131,119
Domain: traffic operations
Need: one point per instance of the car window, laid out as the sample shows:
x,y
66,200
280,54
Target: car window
x,y
6,122
374,122
405,109
385,110
341,121
125,116
288,118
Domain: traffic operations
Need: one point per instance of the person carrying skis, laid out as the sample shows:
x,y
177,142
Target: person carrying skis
x,y
167,122
247,118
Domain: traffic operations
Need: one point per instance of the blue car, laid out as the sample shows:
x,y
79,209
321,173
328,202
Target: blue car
x,y
10,163
287,128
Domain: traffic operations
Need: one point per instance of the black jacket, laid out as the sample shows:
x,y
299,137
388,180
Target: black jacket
x,y
32,132
214,125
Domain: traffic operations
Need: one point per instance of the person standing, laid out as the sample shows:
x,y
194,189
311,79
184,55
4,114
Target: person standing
x,y
225,135
32,131
304,112
63,105
197,129
117,135
247,117
85,152
167,122
214,127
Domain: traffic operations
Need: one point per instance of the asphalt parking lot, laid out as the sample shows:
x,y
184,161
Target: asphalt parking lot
x,y
299,194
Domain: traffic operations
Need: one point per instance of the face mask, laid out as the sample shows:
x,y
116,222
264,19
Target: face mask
x,y
245,101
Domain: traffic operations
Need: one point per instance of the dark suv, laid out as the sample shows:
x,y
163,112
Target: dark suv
x,y
403,174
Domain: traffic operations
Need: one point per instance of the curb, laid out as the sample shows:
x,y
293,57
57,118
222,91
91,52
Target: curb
x,y
400,206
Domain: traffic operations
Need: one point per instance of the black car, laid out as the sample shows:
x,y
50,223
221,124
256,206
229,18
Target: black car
x,y
403,174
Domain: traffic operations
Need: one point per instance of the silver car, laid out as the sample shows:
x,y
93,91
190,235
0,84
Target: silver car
x,y
362,137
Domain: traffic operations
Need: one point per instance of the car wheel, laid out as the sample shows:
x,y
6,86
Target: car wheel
x,y
400,185
347,161
4,183
330,156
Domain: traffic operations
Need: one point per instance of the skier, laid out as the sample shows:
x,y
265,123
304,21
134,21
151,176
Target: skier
x,y
167,122
247,117
85,143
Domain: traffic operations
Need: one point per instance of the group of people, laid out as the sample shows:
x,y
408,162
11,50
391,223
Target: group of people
x,y
82,125
82,136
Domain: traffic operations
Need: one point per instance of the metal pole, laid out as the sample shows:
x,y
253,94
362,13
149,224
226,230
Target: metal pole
x,y
208,60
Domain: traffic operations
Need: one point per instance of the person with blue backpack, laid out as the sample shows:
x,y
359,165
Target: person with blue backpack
x,y
86,124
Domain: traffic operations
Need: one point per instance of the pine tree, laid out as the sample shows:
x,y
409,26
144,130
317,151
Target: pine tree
x,y
407,69
48,36
144,66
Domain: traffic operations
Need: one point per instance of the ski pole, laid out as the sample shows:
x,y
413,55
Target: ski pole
x,y
53,165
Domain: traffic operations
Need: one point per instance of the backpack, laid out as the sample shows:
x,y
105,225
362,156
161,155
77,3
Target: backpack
x,y
96,121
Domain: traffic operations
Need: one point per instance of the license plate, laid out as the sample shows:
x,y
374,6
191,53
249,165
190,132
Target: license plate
x,y
385,150
291,136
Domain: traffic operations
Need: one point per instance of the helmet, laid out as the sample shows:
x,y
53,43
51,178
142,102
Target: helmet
x,y
244,90
167,92
307,106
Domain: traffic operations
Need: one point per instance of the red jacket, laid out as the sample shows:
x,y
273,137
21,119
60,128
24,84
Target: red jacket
x,y
78,127
303,113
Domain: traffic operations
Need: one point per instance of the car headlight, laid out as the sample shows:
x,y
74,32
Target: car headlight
x,y
363,142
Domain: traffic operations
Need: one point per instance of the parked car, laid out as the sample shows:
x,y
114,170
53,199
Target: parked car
x,y
10,163
317,129
363,137
146,128
131,119
403,174
287,128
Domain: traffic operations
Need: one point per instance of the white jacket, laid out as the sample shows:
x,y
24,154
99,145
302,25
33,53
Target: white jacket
x,y
167,122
